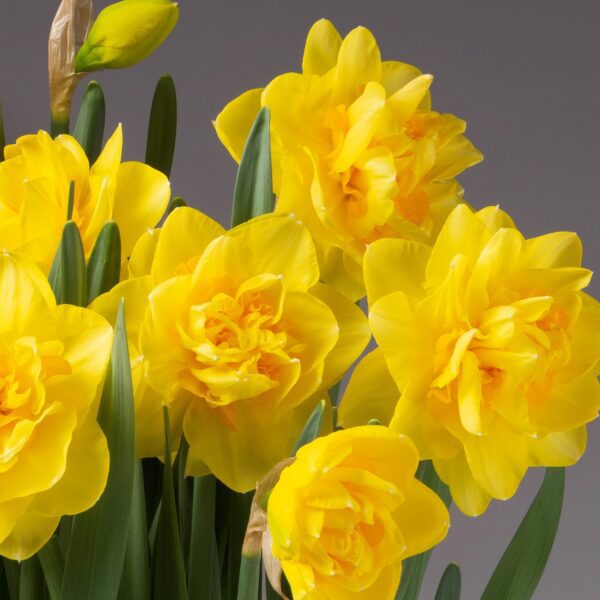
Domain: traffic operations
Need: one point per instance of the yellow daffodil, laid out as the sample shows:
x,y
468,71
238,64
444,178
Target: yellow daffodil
x,y
358,154
126,33
53,455
346,513
34,195
494,349
235,334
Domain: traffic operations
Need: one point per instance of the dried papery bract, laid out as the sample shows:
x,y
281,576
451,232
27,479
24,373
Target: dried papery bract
x,y
258,537
67,34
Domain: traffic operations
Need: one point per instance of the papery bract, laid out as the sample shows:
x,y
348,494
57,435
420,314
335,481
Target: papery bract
x,y
494,349
34,195
358,154
235,334
346,513
53,455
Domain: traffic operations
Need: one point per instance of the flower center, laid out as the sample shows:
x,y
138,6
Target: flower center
x,y
238,343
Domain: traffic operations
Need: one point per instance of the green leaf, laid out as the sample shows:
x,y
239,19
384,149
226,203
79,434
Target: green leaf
x,y
73,280
413,569
99,537
162,129
71,201
89,127
204,579
32,585
53,566
525,558
2,136
250,571
232,513
175,203
12,572
168,572
183,493
104,266
253,194
312,428
135,580
449,588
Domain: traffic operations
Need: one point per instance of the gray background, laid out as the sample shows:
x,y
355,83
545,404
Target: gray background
x,y
524,75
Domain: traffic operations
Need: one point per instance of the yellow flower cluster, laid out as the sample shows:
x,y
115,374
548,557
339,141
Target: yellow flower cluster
x,y
488,349
358,153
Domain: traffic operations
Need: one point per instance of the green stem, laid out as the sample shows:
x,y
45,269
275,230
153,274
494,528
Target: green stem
x,y
58,126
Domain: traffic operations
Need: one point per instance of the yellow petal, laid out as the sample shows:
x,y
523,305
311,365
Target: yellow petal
x,y
239,458
553,250
371,393
359,62
354,333
31,531
395,265
363,116
184,236
395,75
142,255
423,518
234,122
468,495
85,476
110,158
470,394
275,244
561,449
322,47
405,101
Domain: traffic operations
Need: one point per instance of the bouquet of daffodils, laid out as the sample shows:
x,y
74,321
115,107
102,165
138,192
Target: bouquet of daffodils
x,y
188,411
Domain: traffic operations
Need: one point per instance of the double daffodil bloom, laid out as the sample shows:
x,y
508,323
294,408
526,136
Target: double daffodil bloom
x,y
34,195
358,154
233,332
493,346
346,513
53,455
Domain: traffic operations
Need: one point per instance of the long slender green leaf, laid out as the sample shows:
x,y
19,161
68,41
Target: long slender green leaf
x,y
184,491
12,572
312,428
2,136
135,580
96,552
104,266
525,558
162,129
153,474
204,581
89,127
250,571
53,566
32,585
233,511
450,583
168,572
73,280
413,569
253,194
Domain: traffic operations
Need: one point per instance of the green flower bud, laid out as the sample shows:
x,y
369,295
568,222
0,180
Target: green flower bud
x,y
126,33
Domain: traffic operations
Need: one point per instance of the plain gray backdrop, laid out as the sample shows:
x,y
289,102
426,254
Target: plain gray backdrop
x,y
524,75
